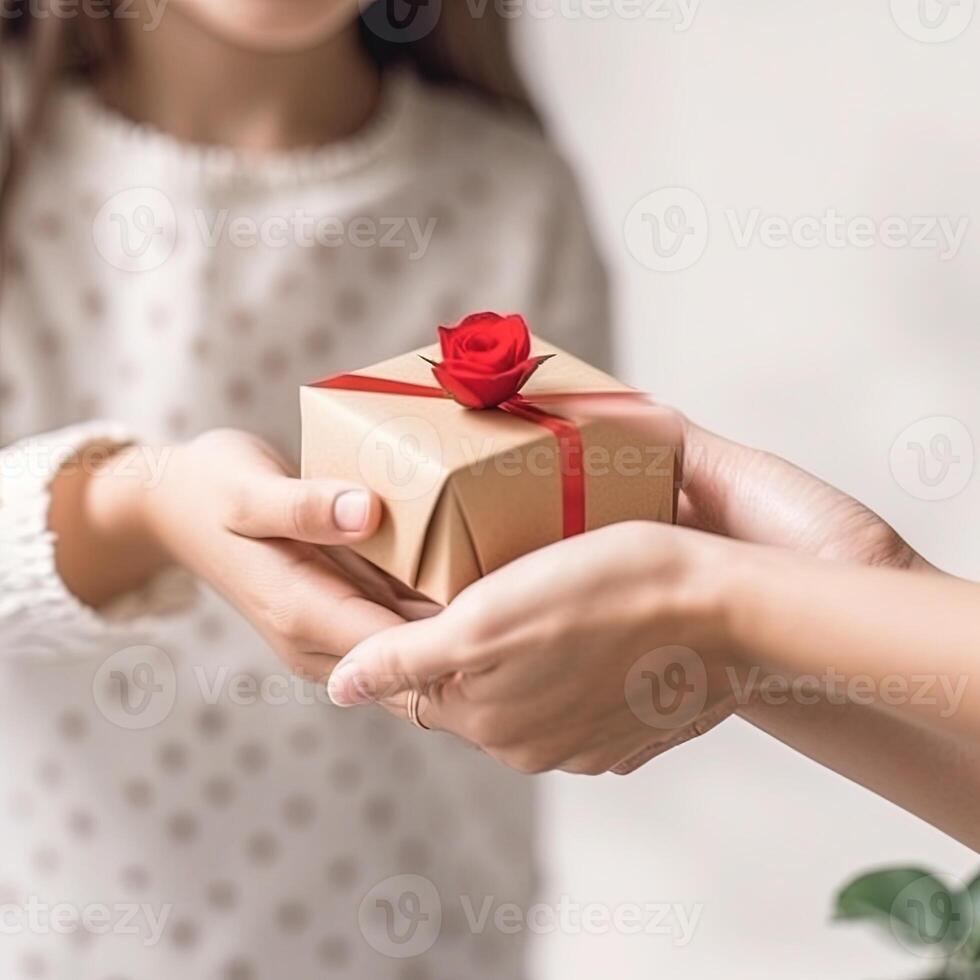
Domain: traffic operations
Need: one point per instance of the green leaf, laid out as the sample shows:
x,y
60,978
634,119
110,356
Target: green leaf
x,y
914,904
872,895
973,890
971,949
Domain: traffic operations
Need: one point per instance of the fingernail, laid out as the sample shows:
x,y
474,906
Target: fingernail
x,y
344,687
350,510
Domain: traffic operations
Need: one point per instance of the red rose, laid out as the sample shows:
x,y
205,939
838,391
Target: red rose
x,y
485,359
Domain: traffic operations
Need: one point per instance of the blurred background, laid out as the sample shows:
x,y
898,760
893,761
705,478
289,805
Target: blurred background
x,y
808,283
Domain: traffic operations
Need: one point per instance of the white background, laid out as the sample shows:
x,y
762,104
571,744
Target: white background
x,y
825,355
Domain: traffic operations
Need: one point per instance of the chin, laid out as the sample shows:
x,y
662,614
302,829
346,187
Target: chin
x,y
271,25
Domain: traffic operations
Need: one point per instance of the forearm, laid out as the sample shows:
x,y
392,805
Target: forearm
x,y
50,524
933,776
906,644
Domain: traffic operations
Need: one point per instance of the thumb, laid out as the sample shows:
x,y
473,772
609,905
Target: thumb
x,y
317,511
401,658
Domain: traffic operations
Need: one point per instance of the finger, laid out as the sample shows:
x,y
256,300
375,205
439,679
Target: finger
x,y
430,712
381,587
722,482
301,602
701,726
708,465
601,757
319,511
591,764
413,655
711,471
313,667
750,494
726,487
412,609
333,616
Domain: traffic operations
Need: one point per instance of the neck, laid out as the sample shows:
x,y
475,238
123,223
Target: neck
x,y
201,89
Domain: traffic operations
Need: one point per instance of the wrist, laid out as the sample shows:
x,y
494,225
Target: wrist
x,y
121,497
104,547
698,590
735,598
776,591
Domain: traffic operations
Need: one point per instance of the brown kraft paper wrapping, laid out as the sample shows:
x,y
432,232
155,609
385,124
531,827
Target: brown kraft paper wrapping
x,y
468,491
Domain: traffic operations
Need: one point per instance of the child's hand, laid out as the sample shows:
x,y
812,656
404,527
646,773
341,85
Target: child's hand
x,y
228,508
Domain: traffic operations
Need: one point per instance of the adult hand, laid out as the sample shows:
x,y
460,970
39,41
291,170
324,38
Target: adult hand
x,y
752,495
726,488
578,656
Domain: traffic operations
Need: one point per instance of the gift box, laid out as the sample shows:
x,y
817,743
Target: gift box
x,y
478,467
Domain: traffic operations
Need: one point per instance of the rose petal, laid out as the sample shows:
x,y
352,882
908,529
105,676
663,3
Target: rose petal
x,y
461,366
456,389
497,341
451,338
476,389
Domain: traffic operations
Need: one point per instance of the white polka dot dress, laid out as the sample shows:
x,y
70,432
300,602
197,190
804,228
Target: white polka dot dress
x,y
172,801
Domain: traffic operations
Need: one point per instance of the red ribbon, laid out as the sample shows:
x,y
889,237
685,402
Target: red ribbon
x,y
565,431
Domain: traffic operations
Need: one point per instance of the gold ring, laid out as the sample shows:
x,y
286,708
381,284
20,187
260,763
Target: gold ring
x,y
414,700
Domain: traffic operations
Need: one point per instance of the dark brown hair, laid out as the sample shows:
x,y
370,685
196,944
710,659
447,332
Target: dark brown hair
x,y
461,49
